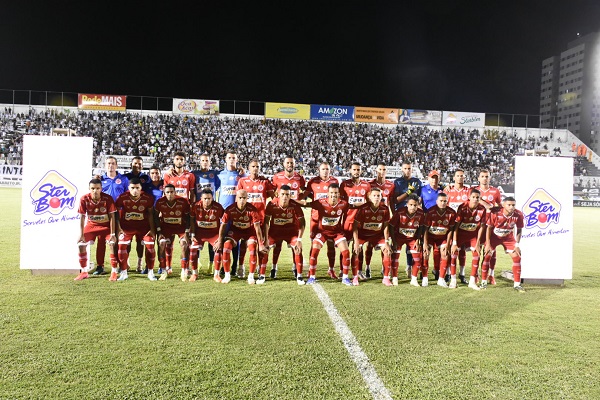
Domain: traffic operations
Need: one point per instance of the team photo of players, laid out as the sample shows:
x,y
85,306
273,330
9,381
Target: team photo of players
x,y
237,212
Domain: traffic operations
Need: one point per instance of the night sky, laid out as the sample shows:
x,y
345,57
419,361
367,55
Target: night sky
x,y
449,55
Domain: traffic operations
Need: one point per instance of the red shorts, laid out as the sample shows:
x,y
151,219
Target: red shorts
x,y
289,239
170,236
468,242
375,241
169,231
411,243
438,242
322,237
126,237
507,242
199,240
90,233
236,236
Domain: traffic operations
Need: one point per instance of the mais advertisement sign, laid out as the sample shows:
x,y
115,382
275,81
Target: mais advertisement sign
x,y
107,102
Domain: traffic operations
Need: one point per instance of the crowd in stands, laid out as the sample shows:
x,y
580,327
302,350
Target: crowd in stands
x,y
310,142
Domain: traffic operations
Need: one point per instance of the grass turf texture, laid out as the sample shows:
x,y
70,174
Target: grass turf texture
x,y
142,339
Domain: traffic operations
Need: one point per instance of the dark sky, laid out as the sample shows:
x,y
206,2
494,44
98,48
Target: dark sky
x,y
449,55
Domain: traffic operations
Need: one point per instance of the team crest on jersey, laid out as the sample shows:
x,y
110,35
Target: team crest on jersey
x,y
339,212
386,191
103,209
379,218
246,218
141,208
53,193
289,215
362,192
184,182
541,210
464,197
445,222
118,181
490,197
178,213
295,185
211,176
260,187
477,218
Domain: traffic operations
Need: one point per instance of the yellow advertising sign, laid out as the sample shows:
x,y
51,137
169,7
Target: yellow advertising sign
x,y
287,110
376,115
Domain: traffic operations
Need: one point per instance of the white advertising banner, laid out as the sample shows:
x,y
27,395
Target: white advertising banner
x,y
544,193
458,118
11,175
55,176
196,107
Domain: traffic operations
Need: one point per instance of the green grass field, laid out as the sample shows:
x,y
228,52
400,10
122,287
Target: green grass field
x,y
155,340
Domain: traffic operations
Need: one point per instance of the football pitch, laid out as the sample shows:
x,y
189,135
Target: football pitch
x,y
138,339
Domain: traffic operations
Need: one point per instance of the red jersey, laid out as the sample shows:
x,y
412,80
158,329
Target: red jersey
x,y
457,196
468,220
296,183
490,197
241,220
184,183
440,221
353,193
371,221
134,215
406,225
331,218
387,189
284,221
207,221
173,217
316,189
504,225
97,211
258,192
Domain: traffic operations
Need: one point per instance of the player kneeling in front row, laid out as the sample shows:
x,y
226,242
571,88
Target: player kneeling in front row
x,y
100,210
284,221
136,219
244,221
439,221
172,218
331,213
501,225
469,234
370,227
407,226
206,217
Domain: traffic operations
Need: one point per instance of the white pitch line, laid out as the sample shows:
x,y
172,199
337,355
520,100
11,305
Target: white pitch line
x,y
366,369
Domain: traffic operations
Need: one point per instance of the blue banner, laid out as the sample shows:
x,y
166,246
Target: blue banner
x,y
331,113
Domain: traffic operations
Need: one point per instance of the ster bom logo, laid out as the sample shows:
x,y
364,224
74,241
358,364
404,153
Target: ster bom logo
x,y
53,194
541,210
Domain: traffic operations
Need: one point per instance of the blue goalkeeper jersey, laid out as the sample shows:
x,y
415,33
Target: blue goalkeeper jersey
x,y
401,186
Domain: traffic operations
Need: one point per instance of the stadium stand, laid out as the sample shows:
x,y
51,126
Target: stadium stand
x,y
267,140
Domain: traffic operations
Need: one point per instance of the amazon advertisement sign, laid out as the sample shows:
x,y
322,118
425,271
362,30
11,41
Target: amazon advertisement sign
x,y
51,189
544,193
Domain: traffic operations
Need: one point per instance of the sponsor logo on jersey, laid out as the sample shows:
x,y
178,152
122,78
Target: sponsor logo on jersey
x,y
173,221
372,226
327,221
541,210
468,227
207,224
98,218
53,194
283,221
438,230
134,216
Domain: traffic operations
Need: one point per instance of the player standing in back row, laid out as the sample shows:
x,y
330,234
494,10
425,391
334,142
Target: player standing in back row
x,y
297,184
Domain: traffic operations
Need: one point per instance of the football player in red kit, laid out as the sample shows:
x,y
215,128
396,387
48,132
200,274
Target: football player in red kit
x,y
284,221
136,219
439,222
331,213
469,235
244,222
354,191
317,189
99,208
172,218
297,184
206,217
406,228
501,227
370,228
